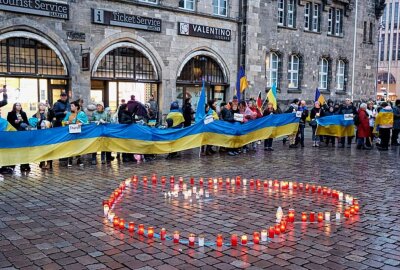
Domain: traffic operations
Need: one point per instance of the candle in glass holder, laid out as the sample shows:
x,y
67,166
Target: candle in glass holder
x,y
265,183
340,196
244,240
304,216
201,181
150,232
327,216
194,189
320,217
264,235
110,216
121,223
295,185
227,181
191,239
106,208
277,229
206,194
283,226
210,181
234,240
215,181
141,229
131,227
191,181
201,240
219,240
313,188
163,234
145,179
300,186
245,182
290,185
184,186
312,217
238,180
291,215
271,232
319,189
347,213
176,237
251,182
352,210
337,215
163,179
356,208
116,221
181,180
256,238
220,181
307,187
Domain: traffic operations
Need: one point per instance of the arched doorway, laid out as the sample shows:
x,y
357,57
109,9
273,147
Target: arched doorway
x,y
32,69
189,82
122,70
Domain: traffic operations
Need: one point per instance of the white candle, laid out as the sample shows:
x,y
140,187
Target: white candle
x,y
327,216
290,185
232,181
244,182
207,194
270,183
264,236
340,196
201,241
194,189
106,209
215,181
337,215
127,181
111,215
184,186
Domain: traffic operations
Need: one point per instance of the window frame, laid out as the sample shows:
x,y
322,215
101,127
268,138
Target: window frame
x,y
316,14
338,29
307,13
330,21
323,74
153,2
185,2
291,14
292,72
272,58
281,12
219,8
341,76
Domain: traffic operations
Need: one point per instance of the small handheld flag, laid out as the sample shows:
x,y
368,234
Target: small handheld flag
x,y
272,96
259,102
319,97
241,83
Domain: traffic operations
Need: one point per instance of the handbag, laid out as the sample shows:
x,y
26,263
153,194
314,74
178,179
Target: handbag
x,y
313,123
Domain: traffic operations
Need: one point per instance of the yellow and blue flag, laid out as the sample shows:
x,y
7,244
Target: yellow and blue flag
x,y
5,125
319,97
335,125
241,83
272,97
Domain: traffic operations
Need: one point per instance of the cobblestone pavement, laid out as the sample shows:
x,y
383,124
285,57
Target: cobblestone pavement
x,y
53,219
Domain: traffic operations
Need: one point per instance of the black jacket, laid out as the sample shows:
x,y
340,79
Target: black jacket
x,y
12,116
4,101
227,115
125,117
347,109
187,112
59,109
314,111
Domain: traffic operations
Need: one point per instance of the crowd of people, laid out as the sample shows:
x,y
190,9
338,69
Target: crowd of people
x,y
374,122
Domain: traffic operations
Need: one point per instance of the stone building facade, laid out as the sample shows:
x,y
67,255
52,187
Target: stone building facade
x,y
110,50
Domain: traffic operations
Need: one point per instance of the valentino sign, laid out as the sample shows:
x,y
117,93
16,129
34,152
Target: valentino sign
x,y
100,16
36,7
196,30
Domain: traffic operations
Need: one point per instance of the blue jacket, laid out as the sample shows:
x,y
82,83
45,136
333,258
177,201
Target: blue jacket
x,y
81,117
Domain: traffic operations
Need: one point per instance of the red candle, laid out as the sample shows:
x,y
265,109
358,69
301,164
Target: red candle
x,y
192,181
356,208
105,202
163,234
265,183
234,240
201,181
295,185
134,179
210,181
244,240
180,180
150,232
172,179
283,226
154,179
163,179
219,240
220,181
251,182
121,224
301,186
131,226
313,188
320,216
238,181
324,191
276,184
347,213
141,229
277,229
312,217
329,192
116,221
145,179
304,216
176,237
352,210
256,238
271,232
307,187
227,181
191,239
291,215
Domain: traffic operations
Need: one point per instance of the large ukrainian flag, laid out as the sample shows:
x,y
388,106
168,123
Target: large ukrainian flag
x,y
335,125
48,144
5,125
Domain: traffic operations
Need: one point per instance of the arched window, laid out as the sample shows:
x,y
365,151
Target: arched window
x,y
26,56
272,69
340,74
323,74
126,63
201,68
293,71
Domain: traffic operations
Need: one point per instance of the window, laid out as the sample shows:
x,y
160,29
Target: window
x,y
396,15
398,48
383,19
323,74
390,16
186,4
272,69
388,47
382,48
340,74
201,68
293,72
149,1
365,32
371,32
220,7
394,46
281,12
330,21
307,12
291,8
315,18
339,22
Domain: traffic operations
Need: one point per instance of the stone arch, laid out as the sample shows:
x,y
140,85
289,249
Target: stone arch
x,y
206,52
130,40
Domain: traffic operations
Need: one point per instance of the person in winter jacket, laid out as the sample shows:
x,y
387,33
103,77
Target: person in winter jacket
x,y
396,124
383,125
316,113
101,116
347,108
269,110
363,130
372,112
330,111
187,112
60,108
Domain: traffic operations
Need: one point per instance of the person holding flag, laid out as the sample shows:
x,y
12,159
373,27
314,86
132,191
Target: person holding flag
x,y
269,110
316,113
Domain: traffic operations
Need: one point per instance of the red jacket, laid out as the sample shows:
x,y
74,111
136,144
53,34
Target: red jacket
x,y
255,110
363,128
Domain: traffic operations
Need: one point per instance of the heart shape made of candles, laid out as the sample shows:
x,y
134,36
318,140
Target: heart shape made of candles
x,y
198,192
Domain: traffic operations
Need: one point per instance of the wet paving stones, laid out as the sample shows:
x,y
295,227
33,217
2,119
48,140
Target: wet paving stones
x,y
53,219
